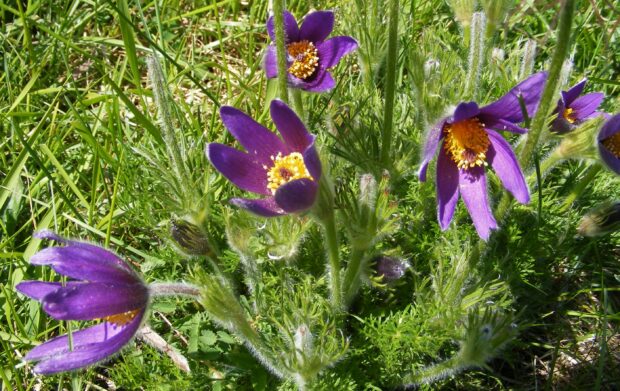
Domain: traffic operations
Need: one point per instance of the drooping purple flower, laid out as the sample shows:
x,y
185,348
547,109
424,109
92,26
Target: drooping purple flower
x,y
309,53
286,171
469,142
609,143
101,286
574,109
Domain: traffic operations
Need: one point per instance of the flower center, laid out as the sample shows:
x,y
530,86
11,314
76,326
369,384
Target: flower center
x,y
285,169
569,115
123,318
467,143
612,143
305,59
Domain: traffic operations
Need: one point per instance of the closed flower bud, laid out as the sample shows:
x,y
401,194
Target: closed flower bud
x,y
601,220
430,67
189,237
389,269
304,343
368,190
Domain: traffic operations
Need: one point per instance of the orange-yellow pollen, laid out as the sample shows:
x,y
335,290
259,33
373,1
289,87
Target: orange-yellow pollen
x,y
123,318
467,143
569,115
305,59
612,143
285,169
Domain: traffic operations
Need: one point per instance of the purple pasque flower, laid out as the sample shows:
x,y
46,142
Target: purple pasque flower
x,y
309,53
101,286
286,171
609,143
574,109
469,142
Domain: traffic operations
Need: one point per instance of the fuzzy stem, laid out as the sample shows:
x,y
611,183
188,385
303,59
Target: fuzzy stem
x,y
278,19
439,371
476,53
581,186
174,289
390,84
549,93
352,276
333,250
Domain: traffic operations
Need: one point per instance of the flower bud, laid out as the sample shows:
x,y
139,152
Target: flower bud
x,y
430,67
389,269
189,237
498,55
602,220
463,10
368,190
303,343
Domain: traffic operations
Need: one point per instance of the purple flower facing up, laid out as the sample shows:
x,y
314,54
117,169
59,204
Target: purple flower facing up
x,y
102,286
574,109
309,53
609,143
286,171
468,142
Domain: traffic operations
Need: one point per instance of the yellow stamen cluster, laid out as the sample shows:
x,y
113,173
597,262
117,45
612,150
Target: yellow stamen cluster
x,y
569,115
467,143
285,169
123,318
612,144
305,59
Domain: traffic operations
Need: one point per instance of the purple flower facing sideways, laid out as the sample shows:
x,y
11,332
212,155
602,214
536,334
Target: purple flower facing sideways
x,y
285,171
309,53
101,286
574,109
609,143
468,142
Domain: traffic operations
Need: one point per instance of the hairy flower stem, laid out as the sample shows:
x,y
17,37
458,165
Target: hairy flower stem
x,y
174,289
278,19
333,252
352,276
548,99
163,103
476,54
390,84
433,373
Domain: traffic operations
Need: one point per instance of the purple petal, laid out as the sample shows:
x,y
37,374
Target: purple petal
x,y
49,235
430,146
297,195
94,300
609,128
37,290
507,107
291,31
585,106
569,96
265,207
323,81
464,111
332,50
254,137
238,167
500,124
293,131
504,162
609,158
316,26
84,261
271,62
472,185
90,346
312,161
447,189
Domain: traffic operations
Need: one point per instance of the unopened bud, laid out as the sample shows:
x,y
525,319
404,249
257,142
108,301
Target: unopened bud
x,y
430,67
368,190
601,220
303,343
498,55
389,269
189,237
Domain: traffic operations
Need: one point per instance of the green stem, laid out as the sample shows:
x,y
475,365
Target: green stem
x,y
549,93
278,19
298,103
476,54
352,275
581,186
390,84
333,251
433,373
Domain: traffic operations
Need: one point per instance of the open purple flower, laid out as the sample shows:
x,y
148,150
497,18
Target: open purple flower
x,y
573,109
286,171
609,143
309,54
469,143
102,286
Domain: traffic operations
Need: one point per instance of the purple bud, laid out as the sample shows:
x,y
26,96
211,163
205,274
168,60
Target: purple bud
x,y
389,268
